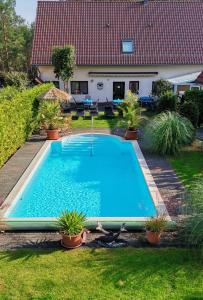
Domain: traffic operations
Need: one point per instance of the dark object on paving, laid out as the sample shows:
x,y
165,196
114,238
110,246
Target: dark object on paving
x,y
110,239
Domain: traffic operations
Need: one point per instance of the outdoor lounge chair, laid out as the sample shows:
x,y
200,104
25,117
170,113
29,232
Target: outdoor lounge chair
x,y
108,112
80,110
66,107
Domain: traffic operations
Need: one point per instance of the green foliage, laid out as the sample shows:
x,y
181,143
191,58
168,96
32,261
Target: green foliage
x,y
169,132
50,114
7,93
17,79
167,101
160,87
63,60
71,223
15,39
190,110
193,225
132,118
157,224
196,96
17,118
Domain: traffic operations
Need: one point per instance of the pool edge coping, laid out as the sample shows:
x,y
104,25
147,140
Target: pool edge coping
x,y
21,183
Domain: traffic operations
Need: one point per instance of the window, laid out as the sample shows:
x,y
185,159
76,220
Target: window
x,y
79,87
134,87
127,46
195,88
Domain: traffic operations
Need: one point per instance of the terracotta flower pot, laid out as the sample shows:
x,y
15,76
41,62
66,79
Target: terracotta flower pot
x,y
71,242
53,134
131,134
153,237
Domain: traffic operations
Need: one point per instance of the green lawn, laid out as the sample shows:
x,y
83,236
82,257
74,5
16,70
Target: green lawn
x,y
99,122
97,274
189,167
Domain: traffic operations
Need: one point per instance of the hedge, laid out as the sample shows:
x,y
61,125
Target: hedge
x,y
196,96
18,117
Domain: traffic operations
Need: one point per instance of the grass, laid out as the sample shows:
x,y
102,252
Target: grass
x,y
189,167
99,122
100,274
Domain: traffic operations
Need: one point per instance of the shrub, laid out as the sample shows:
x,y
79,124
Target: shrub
x,y
71,223
19,80
190,110
160,87
196,96
17,118
168,101
169,132
193,225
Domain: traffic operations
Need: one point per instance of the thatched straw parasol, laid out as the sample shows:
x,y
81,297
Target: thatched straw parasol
x,y
55,94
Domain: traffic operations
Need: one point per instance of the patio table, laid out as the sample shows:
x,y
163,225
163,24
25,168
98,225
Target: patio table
x,y
88,102
117,101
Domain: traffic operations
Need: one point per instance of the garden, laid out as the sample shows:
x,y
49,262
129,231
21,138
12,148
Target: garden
x,y
125,273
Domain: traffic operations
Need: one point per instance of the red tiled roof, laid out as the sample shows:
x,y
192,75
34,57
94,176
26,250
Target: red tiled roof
x,y
164,32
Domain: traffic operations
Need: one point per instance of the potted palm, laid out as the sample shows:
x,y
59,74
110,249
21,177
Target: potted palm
x,y
132,118
154,228
71,226
50,118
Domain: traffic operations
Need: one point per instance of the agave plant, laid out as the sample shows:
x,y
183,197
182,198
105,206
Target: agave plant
x,y
50,115
71,223
169,132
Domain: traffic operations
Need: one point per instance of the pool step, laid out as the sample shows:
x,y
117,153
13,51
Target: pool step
x,y
82,147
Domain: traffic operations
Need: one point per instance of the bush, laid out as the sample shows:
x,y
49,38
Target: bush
x,y
193,225
190,110
18,117
196,96
169,132
168,101
160,87
19,80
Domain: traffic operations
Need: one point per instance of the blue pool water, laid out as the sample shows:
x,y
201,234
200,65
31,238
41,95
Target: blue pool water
x,y
95,174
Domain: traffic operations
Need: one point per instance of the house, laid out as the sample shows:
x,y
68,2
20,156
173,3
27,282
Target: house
x,y
120,45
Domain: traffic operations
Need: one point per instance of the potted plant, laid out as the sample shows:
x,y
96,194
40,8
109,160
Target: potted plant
x,y
71,225
132,118
154,228
50,118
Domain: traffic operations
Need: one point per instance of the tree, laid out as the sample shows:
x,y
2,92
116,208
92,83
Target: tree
x,y
15,39
160,87
63,60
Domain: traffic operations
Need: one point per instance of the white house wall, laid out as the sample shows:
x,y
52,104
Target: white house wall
x,y
145,82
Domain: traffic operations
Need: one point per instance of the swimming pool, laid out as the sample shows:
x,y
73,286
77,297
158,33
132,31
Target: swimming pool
x,y
99,175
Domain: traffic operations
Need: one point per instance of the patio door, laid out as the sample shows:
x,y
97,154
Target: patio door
x,y
118,90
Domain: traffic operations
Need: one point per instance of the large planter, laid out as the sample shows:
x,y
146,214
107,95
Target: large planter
x,y
71,242
131,134
153,237
53,134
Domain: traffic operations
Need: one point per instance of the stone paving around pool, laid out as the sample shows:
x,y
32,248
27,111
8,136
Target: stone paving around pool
x,y
165,178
